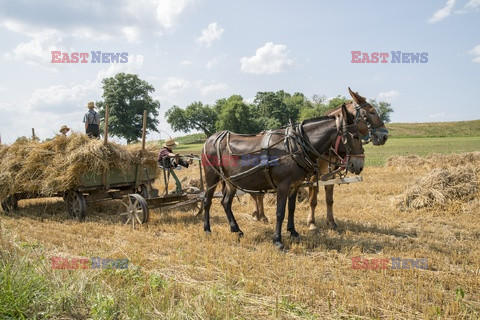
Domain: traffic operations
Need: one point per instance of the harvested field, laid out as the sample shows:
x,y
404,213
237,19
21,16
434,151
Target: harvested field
x,y
177,272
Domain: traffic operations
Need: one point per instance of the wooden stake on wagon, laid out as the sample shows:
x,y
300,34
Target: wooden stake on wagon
x,y
105,131
144,129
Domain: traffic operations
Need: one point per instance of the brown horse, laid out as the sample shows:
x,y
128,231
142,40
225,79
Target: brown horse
x,y
295,151
370,126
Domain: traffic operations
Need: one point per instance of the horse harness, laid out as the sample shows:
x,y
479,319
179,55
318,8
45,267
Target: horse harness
x,y
362,115
299,149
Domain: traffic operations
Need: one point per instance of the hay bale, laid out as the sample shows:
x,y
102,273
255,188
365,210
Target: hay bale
x,y
57,165
439,187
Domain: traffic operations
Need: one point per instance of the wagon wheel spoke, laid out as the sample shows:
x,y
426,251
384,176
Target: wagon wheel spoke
x,y
138,219
128,220
125,205
124,213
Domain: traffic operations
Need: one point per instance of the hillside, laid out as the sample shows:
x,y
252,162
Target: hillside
x,y
435,129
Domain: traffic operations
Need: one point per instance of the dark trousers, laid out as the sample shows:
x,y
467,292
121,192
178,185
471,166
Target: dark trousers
x,y
93,131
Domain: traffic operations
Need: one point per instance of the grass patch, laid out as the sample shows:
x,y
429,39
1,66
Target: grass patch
x,y
434,129
378,155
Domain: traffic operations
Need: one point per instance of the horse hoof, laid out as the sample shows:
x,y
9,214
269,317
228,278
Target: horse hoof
x,y
255,216
294,234
332,225
312,227
208,232
279,245
240,234
264,219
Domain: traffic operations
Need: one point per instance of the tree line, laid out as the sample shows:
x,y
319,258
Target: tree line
x,y
269,110
127,96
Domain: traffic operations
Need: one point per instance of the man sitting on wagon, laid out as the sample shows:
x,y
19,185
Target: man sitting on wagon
x,y
169,160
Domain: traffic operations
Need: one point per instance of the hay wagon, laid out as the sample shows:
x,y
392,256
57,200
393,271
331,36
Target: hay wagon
x,y
133,186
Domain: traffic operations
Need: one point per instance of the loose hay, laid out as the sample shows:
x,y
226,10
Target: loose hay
x,y
441,186
413,162
57,165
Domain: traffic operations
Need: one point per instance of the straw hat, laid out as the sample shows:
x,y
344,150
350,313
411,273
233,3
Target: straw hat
x,y
169,143
64,127
91,104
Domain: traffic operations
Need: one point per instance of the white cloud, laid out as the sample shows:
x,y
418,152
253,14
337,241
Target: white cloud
x,y
168,11
442,13
437,115
388,96
174,85
185,63
476,52
215,61
131,33
135,63
210,34
473,4
213,88
269,59
37,51
89,33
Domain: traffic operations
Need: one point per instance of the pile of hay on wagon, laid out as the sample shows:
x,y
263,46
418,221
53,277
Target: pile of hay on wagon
x,y
57,165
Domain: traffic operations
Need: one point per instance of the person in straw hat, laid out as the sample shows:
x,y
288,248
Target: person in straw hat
x,y
63,130
92,121
169,160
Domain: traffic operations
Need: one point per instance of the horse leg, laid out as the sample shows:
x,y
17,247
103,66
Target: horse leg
x,y
312,199
329,200
255,213
227,200
261,212
292,201
282,194
211,184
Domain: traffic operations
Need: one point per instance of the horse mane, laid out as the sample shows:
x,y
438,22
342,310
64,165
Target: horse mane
x,y
317,119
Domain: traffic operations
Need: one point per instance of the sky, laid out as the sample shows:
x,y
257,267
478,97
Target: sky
x,y
202,50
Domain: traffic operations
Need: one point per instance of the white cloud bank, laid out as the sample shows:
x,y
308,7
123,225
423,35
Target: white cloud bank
x,y
269,59
210,34
442,13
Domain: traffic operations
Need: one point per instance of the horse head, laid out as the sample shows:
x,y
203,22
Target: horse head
x,y
351,142
370,124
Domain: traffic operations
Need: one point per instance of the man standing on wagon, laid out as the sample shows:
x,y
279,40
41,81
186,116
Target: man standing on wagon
x,y
92,121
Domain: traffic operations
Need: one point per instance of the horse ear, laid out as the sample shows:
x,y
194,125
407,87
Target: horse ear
x,y
347,115
356,97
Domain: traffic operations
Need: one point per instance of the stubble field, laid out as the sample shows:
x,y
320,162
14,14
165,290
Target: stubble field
x,y
178,272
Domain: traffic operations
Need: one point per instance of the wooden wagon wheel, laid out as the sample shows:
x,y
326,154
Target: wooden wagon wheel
x,y
77,206
10,204
134,209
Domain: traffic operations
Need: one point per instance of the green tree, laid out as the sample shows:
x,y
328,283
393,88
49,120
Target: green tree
x,y
127,96
236,115
195,116
383,108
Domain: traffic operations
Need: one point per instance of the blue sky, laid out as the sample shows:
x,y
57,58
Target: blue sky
x,y
200,50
